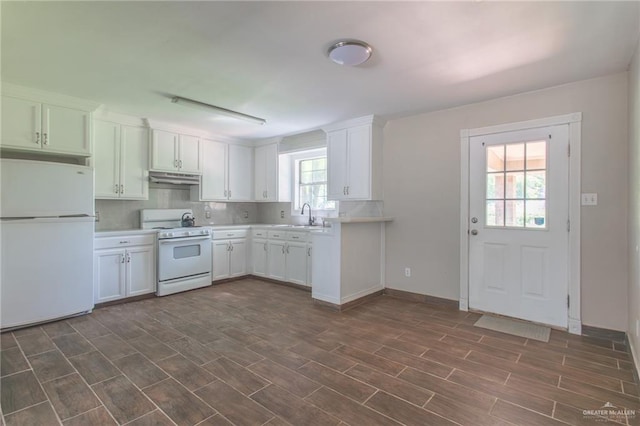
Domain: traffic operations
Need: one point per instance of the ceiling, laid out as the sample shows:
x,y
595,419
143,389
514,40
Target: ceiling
x,y
269,59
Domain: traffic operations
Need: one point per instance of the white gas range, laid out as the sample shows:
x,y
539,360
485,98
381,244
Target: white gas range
x,y
184,252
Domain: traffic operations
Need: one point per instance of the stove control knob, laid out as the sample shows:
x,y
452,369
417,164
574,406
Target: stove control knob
x,y
169,234
163,234
204,232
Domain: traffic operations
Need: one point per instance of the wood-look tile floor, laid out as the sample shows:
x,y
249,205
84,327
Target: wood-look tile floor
x,y
256,353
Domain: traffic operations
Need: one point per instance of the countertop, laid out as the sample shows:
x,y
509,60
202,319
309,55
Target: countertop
x,y
361,219
124,232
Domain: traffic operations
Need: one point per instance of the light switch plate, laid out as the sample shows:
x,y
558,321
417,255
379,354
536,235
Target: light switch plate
x,y
589,199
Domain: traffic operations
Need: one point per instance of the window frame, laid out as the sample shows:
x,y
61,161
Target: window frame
x,y
296,158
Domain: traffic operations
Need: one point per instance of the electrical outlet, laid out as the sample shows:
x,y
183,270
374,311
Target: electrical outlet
x,y
589,199
97,216
207,214
407,272
246,214
281,214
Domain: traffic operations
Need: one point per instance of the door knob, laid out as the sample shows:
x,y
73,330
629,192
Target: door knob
x,y
474,232
474,220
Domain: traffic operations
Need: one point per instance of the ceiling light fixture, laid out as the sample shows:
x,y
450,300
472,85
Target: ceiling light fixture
x,y
217,110
350,52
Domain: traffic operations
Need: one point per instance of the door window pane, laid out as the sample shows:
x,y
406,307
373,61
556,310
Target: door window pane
x,y
495,185
536,184
515,156
516,185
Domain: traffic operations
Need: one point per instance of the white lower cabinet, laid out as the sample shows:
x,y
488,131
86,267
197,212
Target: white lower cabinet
x,y
123,267
229,252
259,255
287,257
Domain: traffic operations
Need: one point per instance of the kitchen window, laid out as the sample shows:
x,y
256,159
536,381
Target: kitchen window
x,y
310,181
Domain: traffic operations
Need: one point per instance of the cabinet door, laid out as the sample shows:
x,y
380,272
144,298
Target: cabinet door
x,y
134,163
141,277
259,255
271,171
238,258
21,123
220,254
164,151
260,173
359,163
106,159
189,158
309,265
109,275
240,173
277,260
65,130
213,186
297,263
337,165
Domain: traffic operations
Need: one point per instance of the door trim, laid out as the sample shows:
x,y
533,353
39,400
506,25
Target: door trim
x,y
574,121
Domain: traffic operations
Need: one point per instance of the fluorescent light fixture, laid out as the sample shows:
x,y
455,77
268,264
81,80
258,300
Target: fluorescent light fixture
x,y
217,110
350,52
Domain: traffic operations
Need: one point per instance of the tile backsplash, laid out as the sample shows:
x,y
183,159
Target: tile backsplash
x,y
121,215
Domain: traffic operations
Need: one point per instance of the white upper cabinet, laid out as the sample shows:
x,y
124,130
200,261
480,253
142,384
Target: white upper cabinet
x,y
240,173
173,152
29,125
266,173
189,154
121,161
354,155
213,184
227,173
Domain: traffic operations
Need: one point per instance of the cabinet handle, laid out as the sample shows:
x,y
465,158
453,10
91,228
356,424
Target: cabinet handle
x,y
225,193
309,251
38,138
128,258
180,163
344,190
175,163
122,189
124,242
122,258
231,245
287,248
115,189
45,139
282,249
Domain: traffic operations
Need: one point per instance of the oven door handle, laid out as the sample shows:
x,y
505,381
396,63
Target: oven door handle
x,y
178,240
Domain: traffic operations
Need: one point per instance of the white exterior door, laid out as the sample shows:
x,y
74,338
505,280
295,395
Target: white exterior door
x,y
518,222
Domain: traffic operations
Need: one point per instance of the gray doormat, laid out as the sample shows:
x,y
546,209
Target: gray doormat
x,y
517,328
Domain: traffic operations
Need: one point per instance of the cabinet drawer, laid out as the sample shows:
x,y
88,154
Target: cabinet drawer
x,y
277,235
230,233
124,241
259,233
297,236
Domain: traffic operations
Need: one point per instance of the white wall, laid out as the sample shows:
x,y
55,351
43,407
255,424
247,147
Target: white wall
x,y
634,201
422,191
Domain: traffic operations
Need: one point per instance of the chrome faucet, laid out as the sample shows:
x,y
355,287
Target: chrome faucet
x,y
311,220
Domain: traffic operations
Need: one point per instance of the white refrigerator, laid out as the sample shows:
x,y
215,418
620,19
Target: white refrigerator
x,y
46,233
